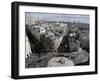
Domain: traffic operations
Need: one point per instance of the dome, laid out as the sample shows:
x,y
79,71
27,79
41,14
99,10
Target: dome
x,y
56,62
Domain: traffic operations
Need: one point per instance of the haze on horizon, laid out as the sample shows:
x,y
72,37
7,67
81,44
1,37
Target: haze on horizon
x,y
30,16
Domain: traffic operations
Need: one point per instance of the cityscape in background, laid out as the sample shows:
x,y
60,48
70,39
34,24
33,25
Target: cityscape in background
x,y
59,35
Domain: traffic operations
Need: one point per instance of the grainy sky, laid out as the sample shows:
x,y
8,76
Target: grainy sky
x,y
30,16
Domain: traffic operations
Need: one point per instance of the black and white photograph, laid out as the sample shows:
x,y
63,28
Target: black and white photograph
x,y
56,40
50,40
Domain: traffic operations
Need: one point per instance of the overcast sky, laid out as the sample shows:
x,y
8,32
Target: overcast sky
x,y
29,16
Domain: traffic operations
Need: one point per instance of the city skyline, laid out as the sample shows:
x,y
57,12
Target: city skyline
x,y
30,16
